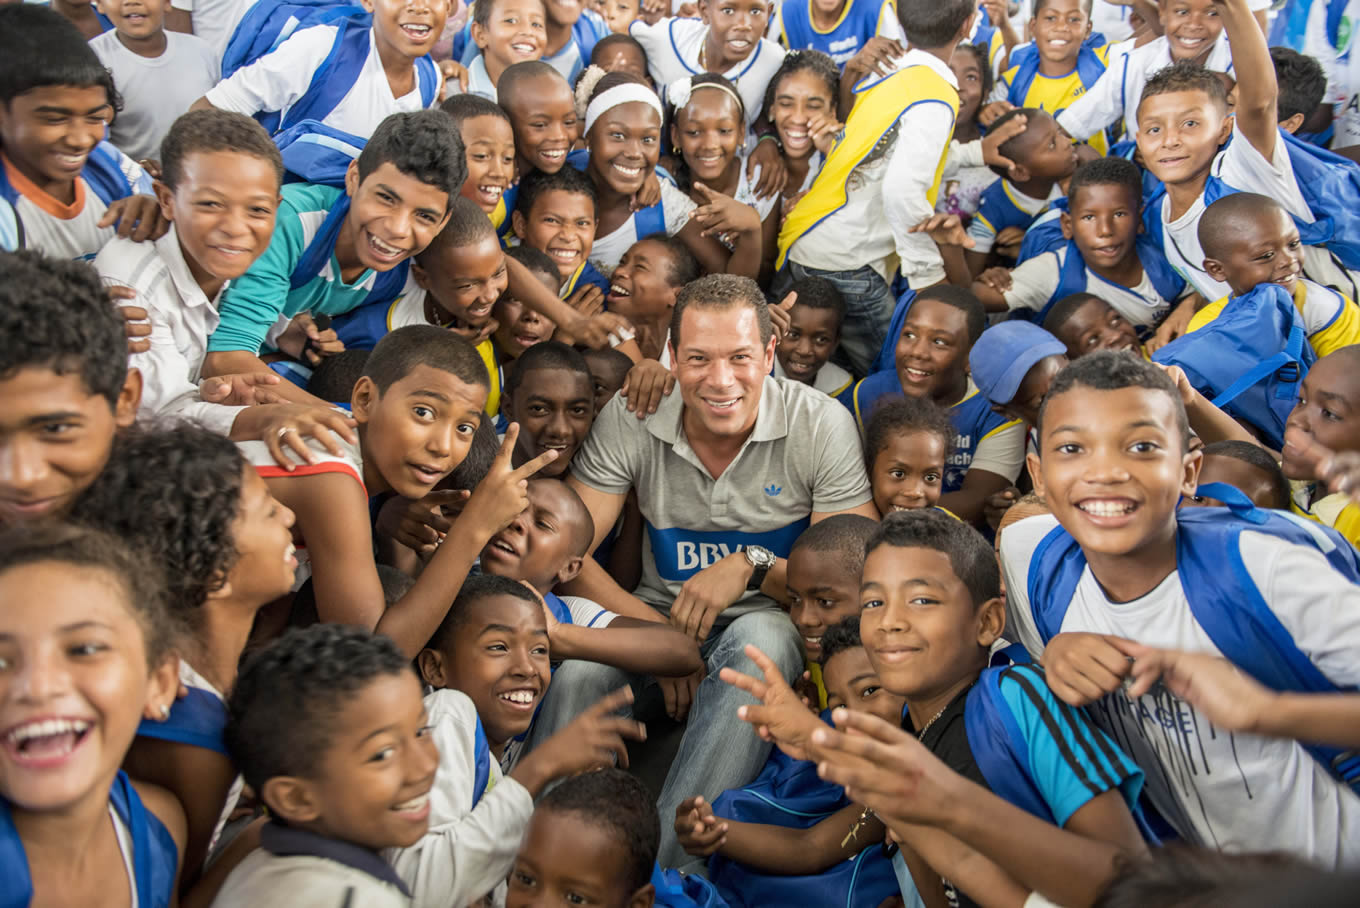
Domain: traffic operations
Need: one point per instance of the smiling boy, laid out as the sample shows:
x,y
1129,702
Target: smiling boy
x,y
550,394
330,245
542,114
1117,561
555,213
489,147
505,32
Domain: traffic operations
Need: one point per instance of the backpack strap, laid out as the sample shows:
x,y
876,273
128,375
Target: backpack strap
x,y
322,246
1055,568
649,220
197,719
999,746
427,78
1291,355
150,858
330,83
481,752
103,171
18,892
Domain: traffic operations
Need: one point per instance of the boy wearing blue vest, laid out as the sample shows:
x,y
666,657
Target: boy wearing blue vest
x,y
1044,158
930,613
930,358
1117,561
337,248
1250,240
1097,249
837,28
1185,156
484,665
783,838
880,180
570,37
349,74
64,190
1059,64
458,278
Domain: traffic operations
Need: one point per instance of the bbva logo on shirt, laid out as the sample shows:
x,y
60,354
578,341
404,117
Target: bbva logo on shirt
x,y
679,554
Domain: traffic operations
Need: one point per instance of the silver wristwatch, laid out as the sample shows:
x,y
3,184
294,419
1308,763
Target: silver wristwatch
x,y
761,559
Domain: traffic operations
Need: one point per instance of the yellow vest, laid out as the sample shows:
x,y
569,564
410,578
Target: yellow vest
x,y
877,108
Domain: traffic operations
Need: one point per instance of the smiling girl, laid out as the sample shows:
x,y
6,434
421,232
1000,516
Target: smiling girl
x,y
801,106
83,659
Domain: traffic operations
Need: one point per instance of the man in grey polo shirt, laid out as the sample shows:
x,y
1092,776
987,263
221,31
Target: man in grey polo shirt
x,y
727,472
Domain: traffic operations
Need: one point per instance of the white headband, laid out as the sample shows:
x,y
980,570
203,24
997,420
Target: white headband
x,y
681,90
627,93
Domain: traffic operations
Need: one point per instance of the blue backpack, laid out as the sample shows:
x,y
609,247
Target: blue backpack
x,y
1250,361
316,153
676,890
155,857
789,793
269,23
1223,598
1089,67
1072,276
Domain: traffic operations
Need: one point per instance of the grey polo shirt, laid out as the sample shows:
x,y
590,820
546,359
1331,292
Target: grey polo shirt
x,y
802,456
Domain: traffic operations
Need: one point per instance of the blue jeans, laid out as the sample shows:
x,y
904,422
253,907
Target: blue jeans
x,y
869,304
718,751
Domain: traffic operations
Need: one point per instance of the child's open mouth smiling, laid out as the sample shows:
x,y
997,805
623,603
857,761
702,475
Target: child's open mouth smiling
x,y
46,743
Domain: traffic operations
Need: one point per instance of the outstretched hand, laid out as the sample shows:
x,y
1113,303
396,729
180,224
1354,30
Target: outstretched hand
x,y
503,492
781,716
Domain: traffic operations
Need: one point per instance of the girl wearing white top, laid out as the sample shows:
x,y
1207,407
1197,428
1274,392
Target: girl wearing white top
x,y
622,122
801,106
709,136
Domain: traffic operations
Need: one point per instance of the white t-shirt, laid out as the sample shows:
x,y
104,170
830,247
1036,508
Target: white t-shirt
x,y
1034,280
607,251
1242,167
215,20
280,78
673,46
155,90
1224,790
479,80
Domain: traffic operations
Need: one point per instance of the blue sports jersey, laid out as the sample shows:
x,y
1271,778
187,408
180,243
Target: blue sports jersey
x,y
857,24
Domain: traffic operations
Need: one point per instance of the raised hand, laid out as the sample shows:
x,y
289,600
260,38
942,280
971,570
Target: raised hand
x,y
305,342
780,316
593,740
504,492
723,215
644,386
780,716
699,832
1338,471
420,524
138,217
587,299
1211,684
945,230
774,173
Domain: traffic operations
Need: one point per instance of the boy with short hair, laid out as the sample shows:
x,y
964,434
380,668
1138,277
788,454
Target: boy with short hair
x,y
1043,159
63,188
458,279
595,837
1120,562
219,187
931,610
1100,251
1303,84
65,385
505,32
396,74
814,332
550,394
1059,64
1246,467
489,148
1086,323
344,764
555,213
482,662
620,51
939,328
725,39
158,72
542,113
608,370
518,326
332,246
870,193
1187,158
1250,240
417,407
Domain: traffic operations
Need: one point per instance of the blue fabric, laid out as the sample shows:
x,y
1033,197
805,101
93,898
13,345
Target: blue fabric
x,y
1072,276
1025,60
316,153
482,762
1290,28
996,211
1250,360
858,24
198,719
270,22
103,172
887,354
680,554
155,858
1223,598
789,793
676,890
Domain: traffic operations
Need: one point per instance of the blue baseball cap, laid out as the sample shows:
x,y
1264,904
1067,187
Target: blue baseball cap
x,y
1005,353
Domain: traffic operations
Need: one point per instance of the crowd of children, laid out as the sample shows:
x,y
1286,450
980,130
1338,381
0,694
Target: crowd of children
x,y
462,453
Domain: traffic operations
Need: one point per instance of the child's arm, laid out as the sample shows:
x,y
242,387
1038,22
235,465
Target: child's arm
x,y
643,647
953,242
1235,702
923,136
1100,106
1257,91
775,849
906,785
877,56
529,290
593,740
931,854
722,214
332,514
275,81
1207,421
990,288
